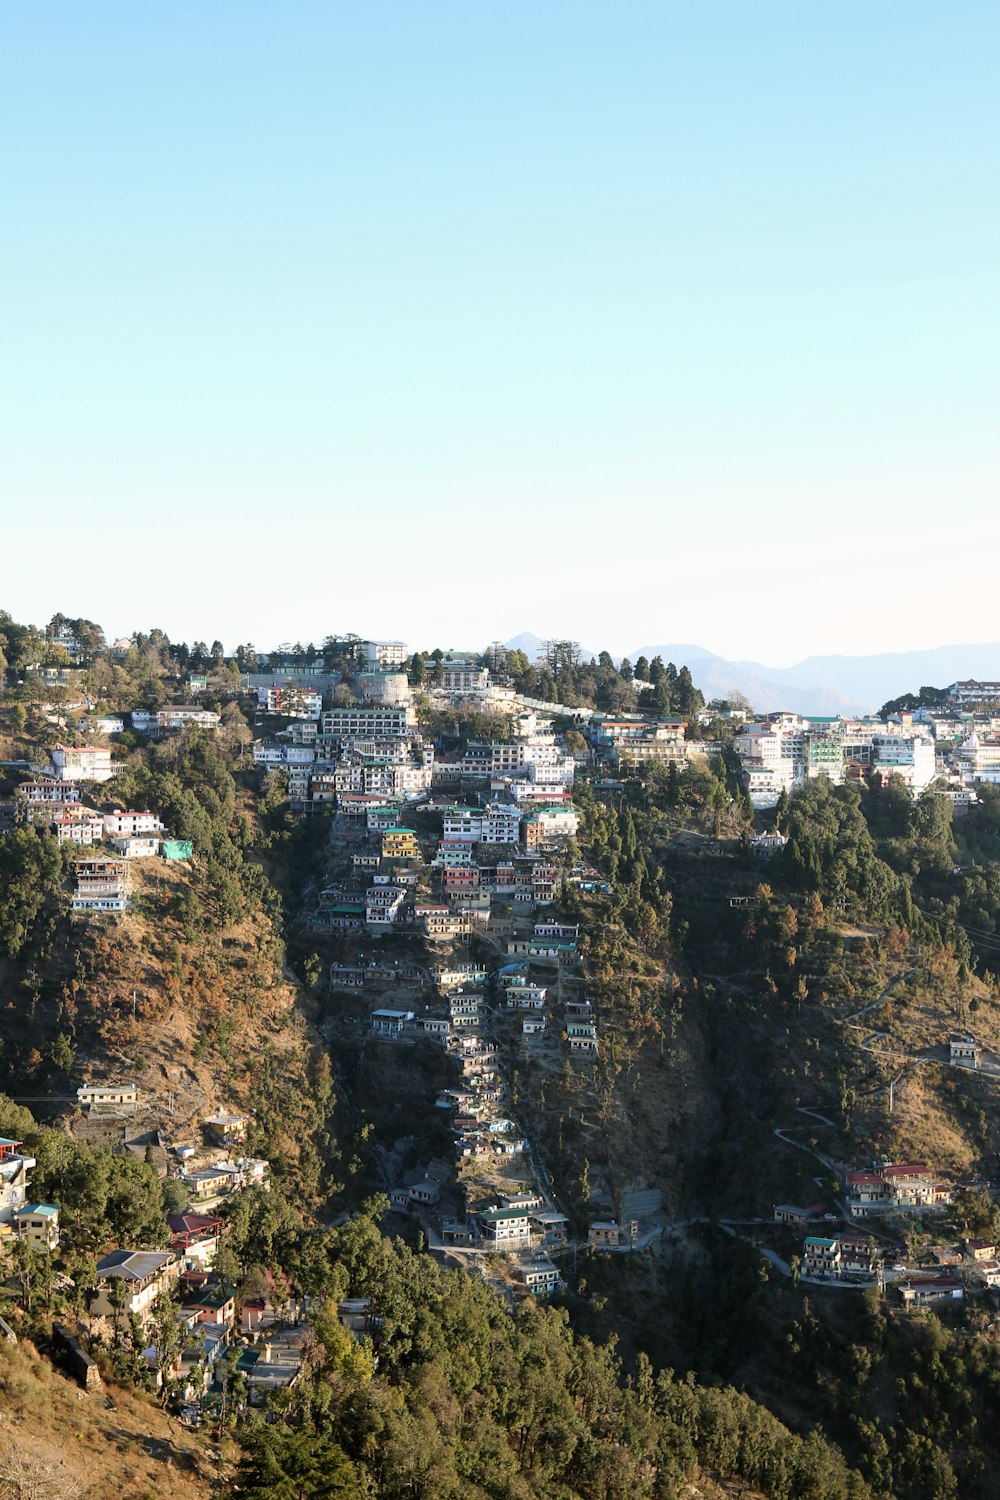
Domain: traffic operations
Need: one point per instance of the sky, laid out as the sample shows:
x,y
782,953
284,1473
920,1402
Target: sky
x,y
630,323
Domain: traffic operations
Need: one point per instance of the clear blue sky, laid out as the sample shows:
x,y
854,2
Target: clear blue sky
x,y
636,322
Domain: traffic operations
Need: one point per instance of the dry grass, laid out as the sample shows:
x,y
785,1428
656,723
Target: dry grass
x,y
57,1441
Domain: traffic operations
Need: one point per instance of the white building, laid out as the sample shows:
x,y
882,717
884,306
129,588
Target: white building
x,y
290,700
978,759
119,823
172,719
14,1173
137,845
82,763
384,656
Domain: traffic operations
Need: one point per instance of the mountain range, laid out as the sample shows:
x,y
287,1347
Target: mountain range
x,y
817,684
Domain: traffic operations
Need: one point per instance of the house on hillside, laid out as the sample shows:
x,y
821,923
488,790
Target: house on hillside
x,y
38,1223
964,1050
894,1187
924,1291
108,1098
504,1228
14,1172
146,1273
82,763
226,1129
606,1234
390,1023
790,1213
539,1276
213,1303
195,1237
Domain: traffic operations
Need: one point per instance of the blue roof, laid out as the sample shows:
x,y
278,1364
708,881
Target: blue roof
x,y
44,1210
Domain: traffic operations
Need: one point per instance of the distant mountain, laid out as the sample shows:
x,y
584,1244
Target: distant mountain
x,y
831,684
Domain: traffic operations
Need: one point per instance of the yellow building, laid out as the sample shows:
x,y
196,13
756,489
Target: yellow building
x,y
39,1224
400,843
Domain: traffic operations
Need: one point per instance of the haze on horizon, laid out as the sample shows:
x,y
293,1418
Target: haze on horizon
x,y
646,324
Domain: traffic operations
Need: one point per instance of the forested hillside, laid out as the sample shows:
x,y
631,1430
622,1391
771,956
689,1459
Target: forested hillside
x,y
770,1017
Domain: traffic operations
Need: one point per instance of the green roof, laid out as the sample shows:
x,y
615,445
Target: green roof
x,y
212,1296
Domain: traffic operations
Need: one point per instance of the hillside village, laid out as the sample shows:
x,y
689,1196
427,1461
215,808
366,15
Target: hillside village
x,y
450,913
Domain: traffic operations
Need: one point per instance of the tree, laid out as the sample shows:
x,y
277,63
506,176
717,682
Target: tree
x,y
32,1271
30,872
118,1297
166,1337
280,1464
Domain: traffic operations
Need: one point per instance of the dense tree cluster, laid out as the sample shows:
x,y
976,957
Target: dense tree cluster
x,y
469,1401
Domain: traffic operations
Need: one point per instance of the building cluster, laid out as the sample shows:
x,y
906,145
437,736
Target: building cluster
x,y
894,1188
782,751
101,877
955,744
633,740
268,1330
484,859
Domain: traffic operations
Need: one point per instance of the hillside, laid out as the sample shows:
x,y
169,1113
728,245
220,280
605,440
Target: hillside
x,y
56,1440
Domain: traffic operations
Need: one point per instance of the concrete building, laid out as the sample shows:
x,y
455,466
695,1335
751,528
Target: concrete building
x,y
82,763
384,656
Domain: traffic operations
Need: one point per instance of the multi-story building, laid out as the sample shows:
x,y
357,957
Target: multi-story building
x,y
38,1223
101,885
356,723
910,757
15,1169
137,845
400,843
534,793
49,792
86,828
631,737
504,1228
82,763
841,1256
119,823
384,656
290,700
900,1187
383,905
461,677
973,691
146,1273
181,715
978,758
545,826
454,976
442,924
